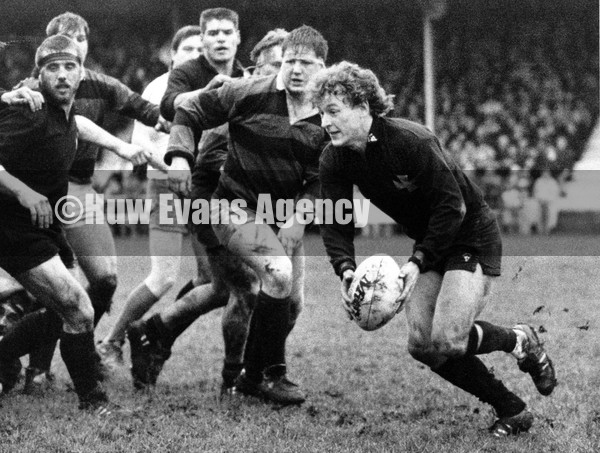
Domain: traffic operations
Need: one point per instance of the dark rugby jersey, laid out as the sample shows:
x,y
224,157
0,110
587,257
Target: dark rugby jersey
x,y
266,154
98,94
37,148
190,76
406,174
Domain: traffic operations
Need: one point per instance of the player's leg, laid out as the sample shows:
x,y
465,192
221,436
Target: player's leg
x,y
455,336
94,247
151,340
244,287
259,247
202,267
52,284
165,251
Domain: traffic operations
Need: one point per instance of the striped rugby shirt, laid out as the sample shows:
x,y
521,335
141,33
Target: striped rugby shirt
x,y
266,154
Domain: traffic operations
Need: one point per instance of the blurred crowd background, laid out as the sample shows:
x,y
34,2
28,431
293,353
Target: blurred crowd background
x,y
516,82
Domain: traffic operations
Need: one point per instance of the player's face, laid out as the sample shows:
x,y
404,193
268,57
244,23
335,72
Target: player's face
x,y
346,125
60,79
80,39
269,61
298,67
220,41
189,48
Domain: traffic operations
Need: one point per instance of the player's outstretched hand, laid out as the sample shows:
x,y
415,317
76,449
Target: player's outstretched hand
x,y
24,95
217,81
347,278
39,207
133,153
180,176
409,273
162,125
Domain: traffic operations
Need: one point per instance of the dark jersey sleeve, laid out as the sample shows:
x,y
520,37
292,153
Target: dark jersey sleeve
x,y
179,82
435,177
338,238
207,110
128,103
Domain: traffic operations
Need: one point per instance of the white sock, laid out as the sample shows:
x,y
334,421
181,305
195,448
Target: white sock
x,y
519,352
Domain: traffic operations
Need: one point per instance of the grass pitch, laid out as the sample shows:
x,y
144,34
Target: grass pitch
x,y
365,393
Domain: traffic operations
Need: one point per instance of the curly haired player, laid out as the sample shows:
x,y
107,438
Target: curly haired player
x,y
400,166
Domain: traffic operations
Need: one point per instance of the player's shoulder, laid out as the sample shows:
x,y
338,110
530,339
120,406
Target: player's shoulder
x,y
103,81
401,128
21,116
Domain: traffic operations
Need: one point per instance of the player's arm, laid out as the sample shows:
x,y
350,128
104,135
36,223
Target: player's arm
x,y
90,132
128,103
338,238
23,95
179,90
37,204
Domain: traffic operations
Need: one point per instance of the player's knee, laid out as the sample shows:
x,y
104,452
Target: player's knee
x,y
78,312
421,350
277,279
450,344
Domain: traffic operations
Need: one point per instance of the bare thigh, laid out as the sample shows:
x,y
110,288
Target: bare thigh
x,y
53,285
94,247
462,297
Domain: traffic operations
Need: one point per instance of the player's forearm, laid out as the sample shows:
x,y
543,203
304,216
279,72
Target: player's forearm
x,y
181,98
91,132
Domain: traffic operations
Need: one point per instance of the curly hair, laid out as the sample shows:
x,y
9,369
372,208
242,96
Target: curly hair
x,y
353,83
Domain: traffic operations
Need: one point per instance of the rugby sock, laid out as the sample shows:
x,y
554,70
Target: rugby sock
x,y
230,372
101,293
271,316
253,358
32,331
186,289
489,338
78,353
158,333
471,375
138,303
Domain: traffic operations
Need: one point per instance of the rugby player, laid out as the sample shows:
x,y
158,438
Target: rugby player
x,y
92,242
166,241
220,39
401,167
37,150
228,271
275,143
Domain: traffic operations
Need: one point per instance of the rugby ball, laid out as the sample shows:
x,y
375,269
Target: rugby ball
x,y
375,291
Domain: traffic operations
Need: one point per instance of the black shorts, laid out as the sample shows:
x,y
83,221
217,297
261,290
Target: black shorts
x,y
483,246
24,246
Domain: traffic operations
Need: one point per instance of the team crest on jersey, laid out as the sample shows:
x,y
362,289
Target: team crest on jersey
x,y
371,138
467,257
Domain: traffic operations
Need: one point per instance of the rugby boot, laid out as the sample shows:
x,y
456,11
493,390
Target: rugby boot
x,y
536,361
507,426
148,356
